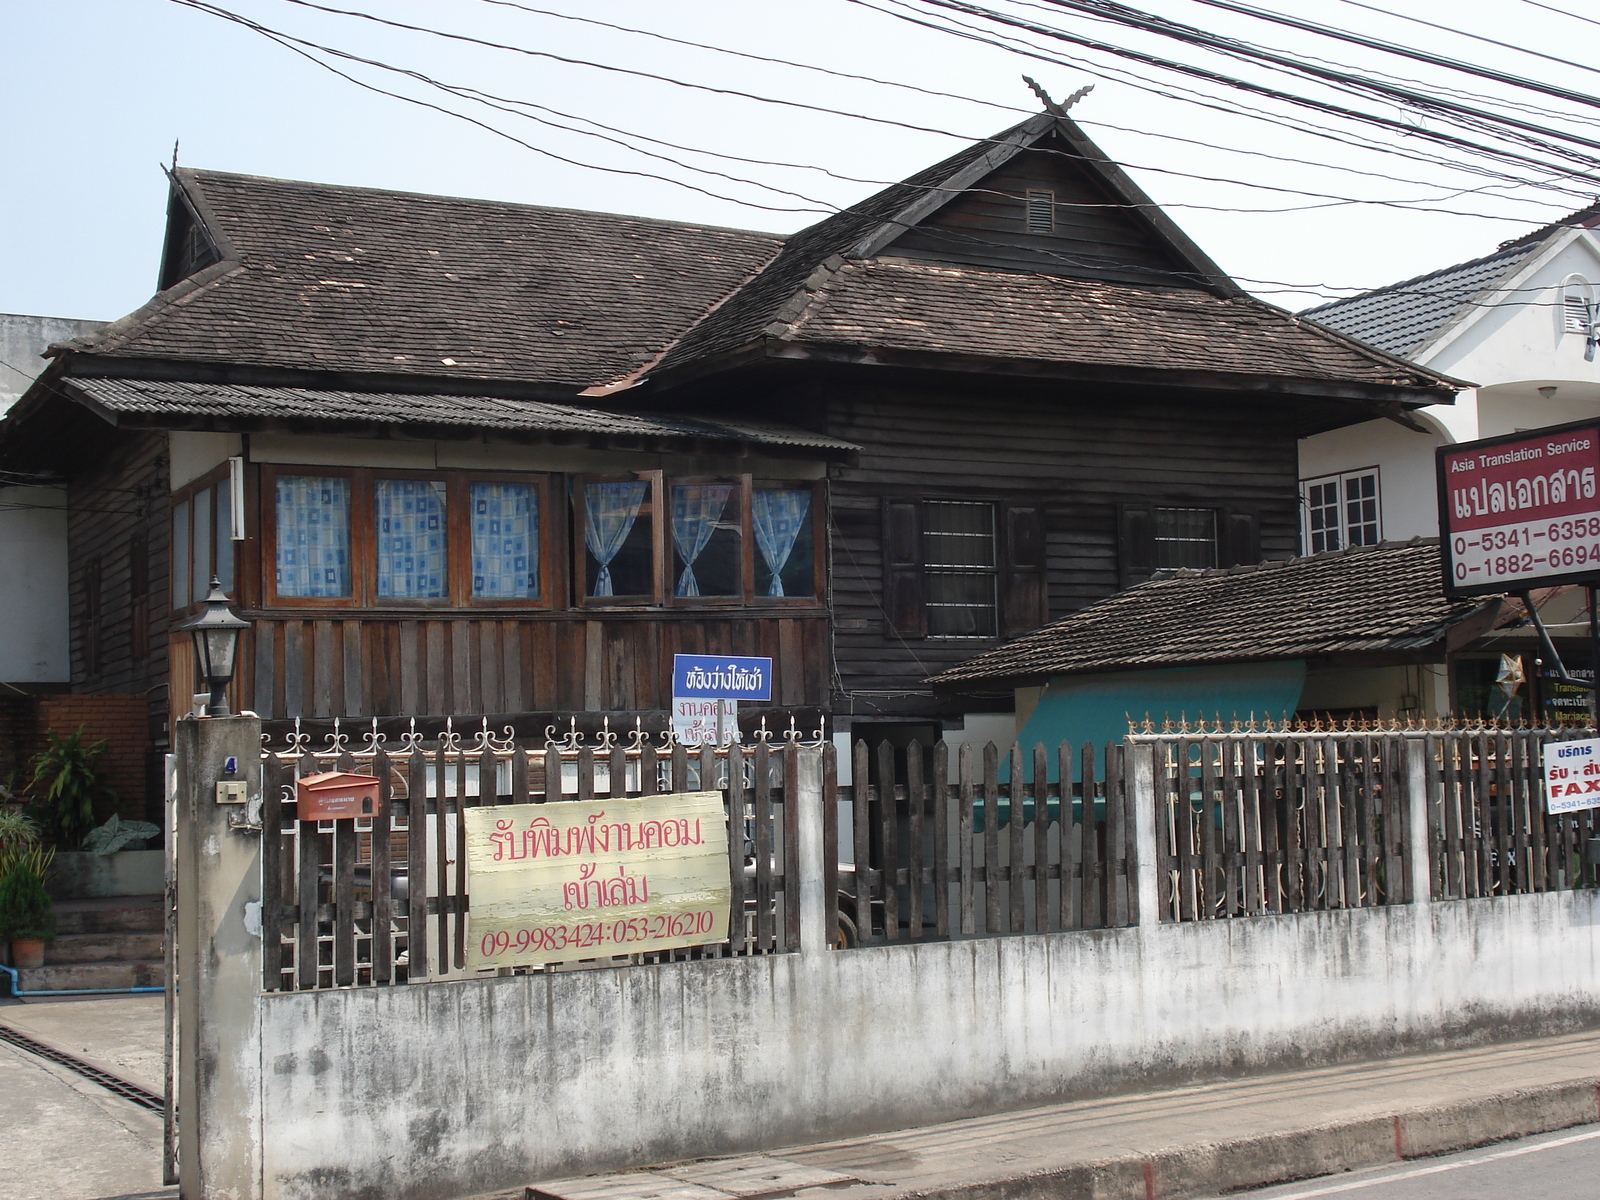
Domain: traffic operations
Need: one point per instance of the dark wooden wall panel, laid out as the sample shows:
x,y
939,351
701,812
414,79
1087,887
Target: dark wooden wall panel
x,y
1075,453
125,494
318,667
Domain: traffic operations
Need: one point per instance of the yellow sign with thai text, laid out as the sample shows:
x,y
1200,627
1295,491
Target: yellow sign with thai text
x,y
595,878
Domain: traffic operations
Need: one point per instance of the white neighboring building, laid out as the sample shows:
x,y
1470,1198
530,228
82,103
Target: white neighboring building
x,y
34,653
1519,323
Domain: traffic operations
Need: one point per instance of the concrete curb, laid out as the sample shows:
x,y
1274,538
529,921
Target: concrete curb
x,y
1319,1150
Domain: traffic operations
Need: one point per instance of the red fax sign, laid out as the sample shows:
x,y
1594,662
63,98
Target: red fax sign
x,y
1522,511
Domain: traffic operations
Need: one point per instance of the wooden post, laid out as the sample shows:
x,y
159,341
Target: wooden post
x,y
1417,831
1142,849
219,960
805,796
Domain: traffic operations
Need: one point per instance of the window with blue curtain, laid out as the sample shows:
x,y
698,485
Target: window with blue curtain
x,y
313,535
409,515
505,541
784,565
619,544
707,541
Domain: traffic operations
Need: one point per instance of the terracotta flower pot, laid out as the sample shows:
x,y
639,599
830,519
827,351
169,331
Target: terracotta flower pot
x,y
27,953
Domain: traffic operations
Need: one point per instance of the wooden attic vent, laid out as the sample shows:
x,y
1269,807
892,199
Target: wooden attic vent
x,y
1041,212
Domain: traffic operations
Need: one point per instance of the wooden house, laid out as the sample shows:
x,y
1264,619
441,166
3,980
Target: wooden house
x,y
455,457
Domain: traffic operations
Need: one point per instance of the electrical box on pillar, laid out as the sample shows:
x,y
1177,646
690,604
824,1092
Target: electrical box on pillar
x,y
335,795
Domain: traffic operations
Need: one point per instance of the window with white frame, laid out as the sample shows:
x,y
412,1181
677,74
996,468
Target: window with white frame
x,y
1341,510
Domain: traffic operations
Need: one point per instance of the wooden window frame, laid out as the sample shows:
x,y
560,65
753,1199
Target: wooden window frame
x,y
360,518
364,534
549,585
747,549
211,484
819,544
661,546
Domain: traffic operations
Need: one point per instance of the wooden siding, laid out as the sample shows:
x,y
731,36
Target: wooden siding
x,y
117,535
356,665
987,226
1074,452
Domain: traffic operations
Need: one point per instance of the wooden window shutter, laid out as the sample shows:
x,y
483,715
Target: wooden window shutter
x,y
1241,539
1024,599
1136,543
904,610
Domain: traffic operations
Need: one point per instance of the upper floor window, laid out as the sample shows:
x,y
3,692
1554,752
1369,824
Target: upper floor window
x,y
647,539
202,538
962,566
1185,537
1341,510
357,538
1041,211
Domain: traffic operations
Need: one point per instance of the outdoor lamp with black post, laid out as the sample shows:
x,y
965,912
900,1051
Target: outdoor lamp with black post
x,y
216,643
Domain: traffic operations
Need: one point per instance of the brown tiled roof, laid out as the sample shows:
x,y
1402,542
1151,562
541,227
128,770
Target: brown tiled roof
x,y
934,307
355,279
175,403
1371,599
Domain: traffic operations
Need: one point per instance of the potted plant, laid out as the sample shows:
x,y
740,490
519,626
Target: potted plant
x,y
68,777
27,920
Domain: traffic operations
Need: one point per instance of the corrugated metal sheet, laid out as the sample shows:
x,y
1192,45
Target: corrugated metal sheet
x,y
175,398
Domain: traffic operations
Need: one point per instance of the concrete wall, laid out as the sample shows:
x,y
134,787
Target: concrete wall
x,y
445,1089
23,339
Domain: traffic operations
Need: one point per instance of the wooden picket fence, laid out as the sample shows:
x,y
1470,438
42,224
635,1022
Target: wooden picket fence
x,y
946,849
330,921
1491,832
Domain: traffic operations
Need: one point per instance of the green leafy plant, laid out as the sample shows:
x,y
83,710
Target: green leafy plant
x,y
68,777
117,834
18,831
25,909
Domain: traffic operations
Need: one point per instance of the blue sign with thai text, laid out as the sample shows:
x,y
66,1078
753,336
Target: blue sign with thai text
x,y
721,677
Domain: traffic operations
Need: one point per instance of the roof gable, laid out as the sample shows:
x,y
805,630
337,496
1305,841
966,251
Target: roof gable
x,y
1414,317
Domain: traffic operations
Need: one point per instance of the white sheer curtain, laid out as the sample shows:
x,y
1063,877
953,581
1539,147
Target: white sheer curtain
x,y
779,515
696,509
610,510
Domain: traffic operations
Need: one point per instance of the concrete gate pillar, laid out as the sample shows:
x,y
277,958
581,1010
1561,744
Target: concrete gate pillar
x,y
218,852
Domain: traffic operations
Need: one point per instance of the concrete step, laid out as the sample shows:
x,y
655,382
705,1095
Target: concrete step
x,y
102,947
76,976
110,914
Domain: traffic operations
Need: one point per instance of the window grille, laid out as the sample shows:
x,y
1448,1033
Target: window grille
x,y
958,538
1186,537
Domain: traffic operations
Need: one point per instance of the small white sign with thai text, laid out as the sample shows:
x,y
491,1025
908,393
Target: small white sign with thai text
x,y
1572,775
700,722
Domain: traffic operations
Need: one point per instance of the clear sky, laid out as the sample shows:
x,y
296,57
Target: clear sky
x,y
94,92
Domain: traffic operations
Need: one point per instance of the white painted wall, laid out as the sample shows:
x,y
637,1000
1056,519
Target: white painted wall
x,y
34,646
34,627
1511,348
444,1089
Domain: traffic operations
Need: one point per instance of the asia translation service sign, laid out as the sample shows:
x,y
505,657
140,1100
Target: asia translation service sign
x,y
1572,775
588,879
1520,512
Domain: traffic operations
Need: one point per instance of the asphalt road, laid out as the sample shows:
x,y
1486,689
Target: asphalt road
x,y
1564,1165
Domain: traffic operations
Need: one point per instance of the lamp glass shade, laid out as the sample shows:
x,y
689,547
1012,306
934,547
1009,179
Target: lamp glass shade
x,y
215,648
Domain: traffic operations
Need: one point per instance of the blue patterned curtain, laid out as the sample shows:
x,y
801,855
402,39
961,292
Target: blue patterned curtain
x,y
696,509
411,538
313,535
779,514
505,541
610,510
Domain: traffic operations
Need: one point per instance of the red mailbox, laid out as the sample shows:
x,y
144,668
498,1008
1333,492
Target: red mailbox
x,y
335,795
